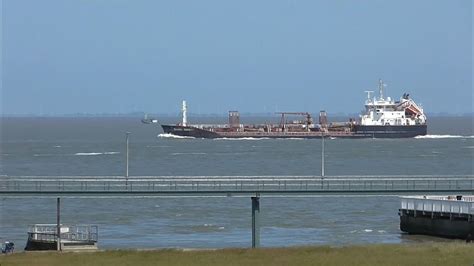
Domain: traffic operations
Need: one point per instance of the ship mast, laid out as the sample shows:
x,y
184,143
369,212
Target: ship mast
x,y
368,95
381,85
185,117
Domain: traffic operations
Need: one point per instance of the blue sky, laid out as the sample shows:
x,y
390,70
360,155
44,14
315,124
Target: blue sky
x,y
100,56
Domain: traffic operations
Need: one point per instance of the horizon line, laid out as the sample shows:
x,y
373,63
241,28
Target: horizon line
x,y
255,114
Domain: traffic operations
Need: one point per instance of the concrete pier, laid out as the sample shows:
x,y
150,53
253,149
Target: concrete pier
x,y
58,224
255,222
233,185
445,216
254,187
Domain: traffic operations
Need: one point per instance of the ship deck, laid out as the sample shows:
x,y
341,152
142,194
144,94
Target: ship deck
x,y
310,134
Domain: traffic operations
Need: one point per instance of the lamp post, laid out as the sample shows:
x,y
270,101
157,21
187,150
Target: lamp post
x,y
322,155
126,167
58,224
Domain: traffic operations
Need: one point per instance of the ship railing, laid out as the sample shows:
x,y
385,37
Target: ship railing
x,y
441,204
205,126
285,133
48,233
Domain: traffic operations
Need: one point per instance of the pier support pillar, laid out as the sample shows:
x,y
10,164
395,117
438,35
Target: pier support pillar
x,y
255,222
58,224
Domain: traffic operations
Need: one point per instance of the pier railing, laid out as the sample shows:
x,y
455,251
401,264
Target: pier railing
x,y
48,233
440,204
255,186
235,184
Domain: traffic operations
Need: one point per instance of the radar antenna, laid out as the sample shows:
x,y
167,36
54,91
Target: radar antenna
x,y
368,94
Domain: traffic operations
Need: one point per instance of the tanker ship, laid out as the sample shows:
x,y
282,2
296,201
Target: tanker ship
x,y
382,118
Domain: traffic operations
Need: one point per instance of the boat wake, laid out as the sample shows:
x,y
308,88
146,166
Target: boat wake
x,y
188,153
96,153
245,138
443,137
251,138
171,136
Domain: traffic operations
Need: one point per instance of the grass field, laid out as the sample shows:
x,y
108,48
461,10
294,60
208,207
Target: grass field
x,y
399,254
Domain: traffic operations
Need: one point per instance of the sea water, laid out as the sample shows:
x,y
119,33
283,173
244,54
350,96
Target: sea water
x,y
96,146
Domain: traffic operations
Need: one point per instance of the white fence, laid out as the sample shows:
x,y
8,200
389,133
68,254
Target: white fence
x,y
445,204
48,232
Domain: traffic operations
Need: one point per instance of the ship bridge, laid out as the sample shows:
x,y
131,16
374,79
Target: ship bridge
x,y
387,112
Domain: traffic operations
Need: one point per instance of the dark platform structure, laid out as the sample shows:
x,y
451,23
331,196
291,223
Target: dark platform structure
x,y
443,216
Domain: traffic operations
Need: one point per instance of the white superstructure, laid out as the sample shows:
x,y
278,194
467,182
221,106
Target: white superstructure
x,y
387,112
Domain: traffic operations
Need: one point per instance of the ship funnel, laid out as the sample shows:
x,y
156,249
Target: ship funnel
x,y
323,120
185,116
234,119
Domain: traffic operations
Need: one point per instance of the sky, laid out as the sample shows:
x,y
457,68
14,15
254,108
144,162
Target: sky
x,y
122,56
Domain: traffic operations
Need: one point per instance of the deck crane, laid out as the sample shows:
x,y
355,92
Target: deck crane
x,y
308,121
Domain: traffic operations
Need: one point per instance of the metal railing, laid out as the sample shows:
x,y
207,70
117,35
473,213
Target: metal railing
x,y
235,184
48,233
442,204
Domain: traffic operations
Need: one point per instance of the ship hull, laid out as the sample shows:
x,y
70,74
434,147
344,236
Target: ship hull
x,y
392,131
357,132
187,131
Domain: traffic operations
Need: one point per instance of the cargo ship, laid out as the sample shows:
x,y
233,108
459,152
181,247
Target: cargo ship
x,y
382,118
